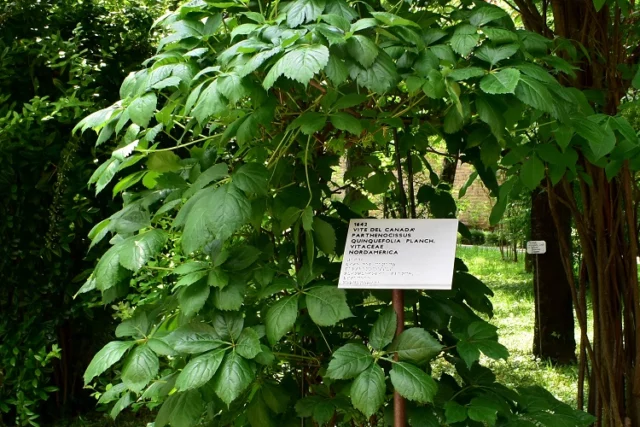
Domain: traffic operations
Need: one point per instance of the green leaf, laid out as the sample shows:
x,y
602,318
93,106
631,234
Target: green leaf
x,y
416,345
368,390
214,173
120,405
485,14
163,161
601,139
491,115
493,55
535,94
362,49
310,122
392,20
435,86
199,370
327,305
161,348
137,250
413,383
483,410
349,361
346,122
232,378
381,76
336,70
300,64
281,317
230,298
500,35
532,172
454,412
248,345
599,4
303,11
324,236
194,338
105,358
384,329
181,410
140,368
136,326
377,183
252,178
193,297
108,272
228,325
504,81
636,80
466,73
142,109
216,215
464,39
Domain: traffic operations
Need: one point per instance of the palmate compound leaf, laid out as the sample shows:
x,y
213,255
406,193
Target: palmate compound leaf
x,y
200,370
252,178
368,390
413,383
327,305
105,358
248,345
416,345
349,361
464,39
217,214
281,317
300,64
232,378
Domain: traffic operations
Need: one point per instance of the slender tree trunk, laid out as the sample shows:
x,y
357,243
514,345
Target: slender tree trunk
x,y
554,327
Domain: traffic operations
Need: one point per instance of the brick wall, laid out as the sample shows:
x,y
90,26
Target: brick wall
x,y
475,207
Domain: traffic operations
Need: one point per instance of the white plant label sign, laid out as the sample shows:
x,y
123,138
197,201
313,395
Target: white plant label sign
x,y
399,254
536,247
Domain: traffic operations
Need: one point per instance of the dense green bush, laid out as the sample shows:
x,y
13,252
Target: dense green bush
x,y
229,242
59,59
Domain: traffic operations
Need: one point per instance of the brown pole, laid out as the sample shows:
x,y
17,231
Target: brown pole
x,y
399,416
397,296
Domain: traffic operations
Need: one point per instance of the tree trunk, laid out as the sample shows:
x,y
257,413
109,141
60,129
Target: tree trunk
x,y
554,327
449,168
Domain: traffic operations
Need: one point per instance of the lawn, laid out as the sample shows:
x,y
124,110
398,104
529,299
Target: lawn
x,y
514,316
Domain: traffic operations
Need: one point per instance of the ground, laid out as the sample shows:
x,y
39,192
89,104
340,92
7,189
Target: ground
x,y
513,305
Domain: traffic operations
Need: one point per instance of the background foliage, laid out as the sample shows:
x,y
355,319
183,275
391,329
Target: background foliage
x,y
59,59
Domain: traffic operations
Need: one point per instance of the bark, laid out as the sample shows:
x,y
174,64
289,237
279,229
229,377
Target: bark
x,y
449,169
554,326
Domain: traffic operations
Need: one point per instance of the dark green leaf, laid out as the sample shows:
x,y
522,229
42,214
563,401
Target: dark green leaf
x,y
193,297
140,368
327,305
105,358
493,54
413,383
464,40
454,412
300,64
281,317
232,378
384,329
303,11
136,251
532,172
252,178
416,345
362,49
368,390
181,410
504,81
199,370
324,236
483,410
142,109
346,122
349,361
248,345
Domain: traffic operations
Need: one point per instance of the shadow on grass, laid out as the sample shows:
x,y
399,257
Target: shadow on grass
x,y
514,316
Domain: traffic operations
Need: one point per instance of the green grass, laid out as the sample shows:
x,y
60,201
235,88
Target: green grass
x,y
514,316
